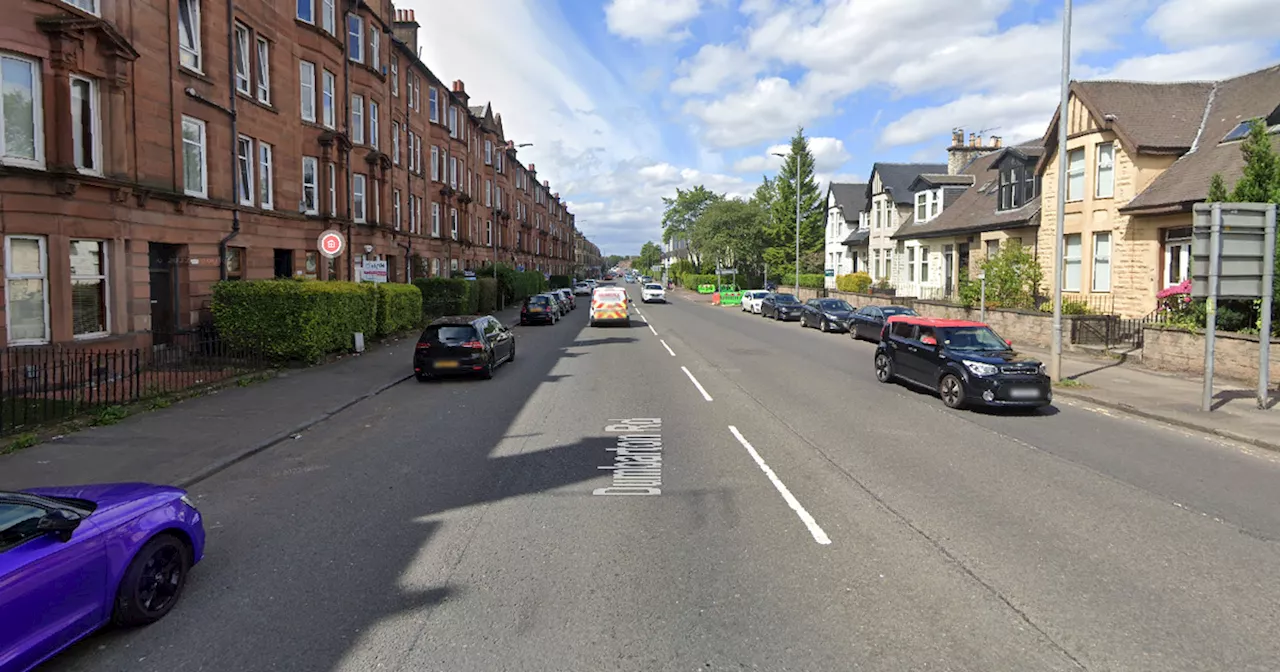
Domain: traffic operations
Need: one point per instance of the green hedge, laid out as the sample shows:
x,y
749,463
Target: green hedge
x,y
444,296
399,307
293,319
812,280
487,294
695,280
560,281
859,283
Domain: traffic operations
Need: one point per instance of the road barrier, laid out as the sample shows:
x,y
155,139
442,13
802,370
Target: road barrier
x,y
706,289
730,298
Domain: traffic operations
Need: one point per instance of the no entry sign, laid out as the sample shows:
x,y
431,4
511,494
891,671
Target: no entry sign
x,y
331,243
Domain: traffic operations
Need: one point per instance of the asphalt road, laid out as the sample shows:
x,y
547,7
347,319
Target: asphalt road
x,y
809,518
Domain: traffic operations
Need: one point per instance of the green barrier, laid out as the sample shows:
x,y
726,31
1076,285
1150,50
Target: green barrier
x,y
731,298
706,289
728,288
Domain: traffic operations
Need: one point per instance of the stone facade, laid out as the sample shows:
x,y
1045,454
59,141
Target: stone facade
x,y
1181,351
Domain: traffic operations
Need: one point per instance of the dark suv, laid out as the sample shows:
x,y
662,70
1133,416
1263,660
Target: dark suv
x,y
965,362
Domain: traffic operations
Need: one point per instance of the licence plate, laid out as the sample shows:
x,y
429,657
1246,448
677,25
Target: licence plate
x,y
539,310
445,364
1024,393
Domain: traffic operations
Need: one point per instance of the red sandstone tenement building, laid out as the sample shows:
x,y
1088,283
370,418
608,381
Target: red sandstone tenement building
x,y
151,148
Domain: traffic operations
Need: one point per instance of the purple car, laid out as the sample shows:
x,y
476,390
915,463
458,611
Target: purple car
x,y
74,558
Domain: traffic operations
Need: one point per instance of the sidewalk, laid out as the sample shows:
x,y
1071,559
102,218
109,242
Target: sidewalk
x,y
1169,398
199,437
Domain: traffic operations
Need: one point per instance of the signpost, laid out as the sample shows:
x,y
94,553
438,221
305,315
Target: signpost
x,y
373,271
331,243
1233,248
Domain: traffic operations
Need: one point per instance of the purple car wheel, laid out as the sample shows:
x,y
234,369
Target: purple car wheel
x,y
154,581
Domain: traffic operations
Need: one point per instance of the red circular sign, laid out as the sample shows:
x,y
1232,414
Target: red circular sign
x,y
331,243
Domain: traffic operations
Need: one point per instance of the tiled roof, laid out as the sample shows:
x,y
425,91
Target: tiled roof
x,y
1235,100
857,237
928,180
974,209
852,198
897,178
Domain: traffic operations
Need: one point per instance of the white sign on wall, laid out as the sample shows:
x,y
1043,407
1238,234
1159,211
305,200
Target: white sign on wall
x,y
373,271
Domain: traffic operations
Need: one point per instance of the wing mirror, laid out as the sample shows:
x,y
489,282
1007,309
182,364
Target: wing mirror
x,y
1008,343
60,523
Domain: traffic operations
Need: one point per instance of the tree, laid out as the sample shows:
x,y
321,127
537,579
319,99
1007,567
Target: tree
x,y
681,212
730,232
650,256
781,228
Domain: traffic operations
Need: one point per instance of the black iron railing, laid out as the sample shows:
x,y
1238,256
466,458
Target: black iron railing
x,y
46,384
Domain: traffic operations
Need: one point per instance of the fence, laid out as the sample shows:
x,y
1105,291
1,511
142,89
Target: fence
x,y
1111,331
40,385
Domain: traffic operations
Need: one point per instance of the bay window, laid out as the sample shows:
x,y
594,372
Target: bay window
x,y
86,125
22,115
373,124
357,119
330,85
89,296
307,89
358,182
310,185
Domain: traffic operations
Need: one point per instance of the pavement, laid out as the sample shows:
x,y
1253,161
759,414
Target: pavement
x,y
806,517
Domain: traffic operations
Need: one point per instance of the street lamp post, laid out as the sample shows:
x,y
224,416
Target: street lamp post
x,y
797,180
496,213
1055,354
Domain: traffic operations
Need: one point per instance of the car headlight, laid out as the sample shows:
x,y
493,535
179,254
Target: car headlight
x,y
187,500
1043,371
980,368
829,316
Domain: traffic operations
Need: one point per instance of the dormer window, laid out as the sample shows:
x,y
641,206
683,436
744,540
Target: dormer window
x,y
1019,185
922,206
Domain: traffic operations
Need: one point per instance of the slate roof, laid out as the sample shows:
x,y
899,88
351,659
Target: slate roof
x,y
857,237
851,198
897,178
932,181
974,209
1256,94
1150,118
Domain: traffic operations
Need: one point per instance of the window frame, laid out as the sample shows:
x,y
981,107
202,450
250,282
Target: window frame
x,y
94,7
304,83
37,116
314,187
311,11
246,162
104,276
1072,173
359,198
329,16
453,223
1068,260
95,126
1110,170
263,83
333,189
435,219
395,207
266,176
328,98
43,276
203,191
356,128
395,143
922,206
355,52
375,45
195,51
243,62
373,124
395,76
1094,257
435,163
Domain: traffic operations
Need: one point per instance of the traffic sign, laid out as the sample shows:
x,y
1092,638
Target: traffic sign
x,y
331,243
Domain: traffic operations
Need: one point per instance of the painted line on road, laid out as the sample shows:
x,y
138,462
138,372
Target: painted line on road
x,y
814,529
655,331
664,344
696,384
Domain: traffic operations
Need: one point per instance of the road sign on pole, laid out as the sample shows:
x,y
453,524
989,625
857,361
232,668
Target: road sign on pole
x,y
331,243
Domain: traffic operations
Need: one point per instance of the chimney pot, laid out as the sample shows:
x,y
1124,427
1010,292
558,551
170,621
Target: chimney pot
x,y
546,183
995,141
459,87
957,137
532,169
978,142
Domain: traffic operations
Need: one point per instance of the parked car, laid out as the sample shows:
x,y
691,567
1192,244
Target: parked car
x,y
751,300
827,314
582,289
610,305
74,558
646,278
463,345
539,309
868,321
966,363
653,292
785,307
562,306
568,297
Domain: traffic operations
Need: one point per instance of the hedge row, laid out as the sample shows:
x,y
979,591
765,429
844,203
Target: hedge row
x,y
859,282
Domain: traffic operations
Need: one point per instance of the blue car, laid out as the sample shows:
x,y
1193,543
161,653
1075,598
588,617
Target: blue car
x,y
74,558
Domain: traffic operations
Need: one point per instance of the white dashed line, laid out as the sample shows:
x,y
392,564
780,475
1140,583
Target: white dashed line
x,y
664,344
816,530
696,384
655,331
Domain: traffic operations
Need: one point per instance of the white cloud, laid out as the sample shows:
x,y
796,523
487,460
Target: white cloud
x,y
1204,63
1193,23
709,69
828,154
771,108
650,20
1019,117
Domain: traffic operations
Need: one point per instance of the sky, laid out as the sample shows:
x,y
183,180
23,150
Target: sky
x,y
626,101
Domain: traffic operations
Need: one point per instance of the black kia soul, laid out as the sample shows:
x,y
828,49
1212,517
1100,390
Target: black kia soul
x,y
965,362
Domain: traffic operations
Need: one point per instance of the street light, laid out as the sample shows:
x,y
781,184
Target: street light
x,y
783,156
1055,353
496,211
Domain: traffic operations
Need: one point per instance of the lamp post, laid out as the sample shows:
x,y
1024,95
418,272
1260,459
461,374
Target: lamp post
x,y
496,213
783,156
1055,353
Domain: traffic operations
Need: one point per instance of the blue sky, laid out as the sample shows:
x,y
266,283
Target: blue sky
x,y
627,100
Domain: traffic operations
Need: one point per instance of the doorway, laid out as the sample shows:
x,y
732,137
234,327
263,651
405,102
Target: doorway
x,y
949,264
162,261
284,263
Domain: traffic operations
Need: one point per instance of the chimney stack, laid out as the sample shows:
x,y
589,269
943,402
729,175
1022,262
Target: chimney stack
x,y
995,142
460,90
405,28
960,155
532,168
957,137
973,140
546,184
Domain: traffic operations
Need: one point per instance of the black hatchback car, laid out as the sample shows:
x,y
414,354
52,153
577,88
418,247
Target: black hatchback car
x,y
868,321
785,307
463,345
965,362
539,309
826,314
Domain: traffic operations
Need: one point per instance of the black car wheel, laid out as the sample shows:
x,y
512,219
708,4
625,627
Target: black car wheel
x,y
951,390
153,582
487,371
884,367
512,356
853,332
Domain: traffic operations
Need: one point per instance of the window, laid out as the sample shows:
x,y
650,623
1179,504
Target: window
x,y
417,154
453,172
328,16
924,263
922,206
375,42
488,232
435,219
453,223
235,263
266,177
993,248
1030,185
26,289
310,185
195,180
1177,256
1010,184
453,122
395,76
189,34
395,207
417,215
333,191
1071,263
911,264
395,143
90,6
499,161
21,117
1105,178
1075,174
375,201
264,71
435,163
86,125
307,11
88,288
488,152
242,57
935,202
357,119
355,38
373,124
417,93
1102,262
244,169
307,78
497,197
357,197
488,193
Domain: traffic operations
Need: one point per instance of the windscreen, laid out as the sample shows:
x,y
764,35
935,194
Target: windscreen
x,y
785,299
890,311
973,339
835,305
654,286
539,300
449,333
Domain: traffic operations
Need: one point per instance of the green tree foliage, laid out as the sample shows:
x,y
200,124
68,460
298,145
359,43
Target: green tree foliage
x,y
1217,190
615,259
730,232
780,231
681,213
1013,279
650,256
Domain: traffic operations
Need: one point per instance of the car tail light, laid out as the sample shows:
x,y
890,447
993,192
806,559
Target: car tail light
x,y
474,345
423,346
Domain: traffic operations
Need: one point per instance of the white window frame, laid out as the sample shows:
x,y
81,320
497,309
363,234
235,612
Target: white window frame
x,y
190,56
357,119
1068,260
245,161
355,52
373,124
395,207
488,193
1104,176
435,163
43,276
1072,172
90,6
435,219
924,264
203,146
453,122
37,114
313,188
264,71
244,63
417,154
1105,258
373,198
77,126
333,190
922,206
453,172
328,16
395,76
266,176
433,104
307,90
375,44
359,209
488,233
395,143
453,223
417,215
311,11
328,98
488,152
105,277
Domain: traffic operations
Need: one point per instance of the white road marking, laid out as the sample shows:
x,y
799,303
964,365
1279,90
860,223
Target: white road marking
x,y
655,331
696,384
816,530
664,344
